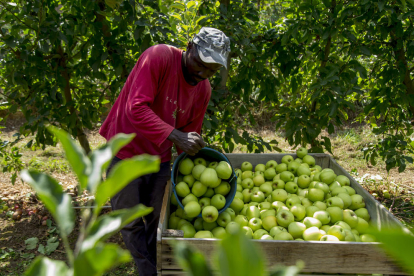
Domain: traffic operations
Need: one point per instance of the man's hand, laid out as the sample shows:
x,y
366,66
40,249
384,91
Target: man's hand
x,y
190,142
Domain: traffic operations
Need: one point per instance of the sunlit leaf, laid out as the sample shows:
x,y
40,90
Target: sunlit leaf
x,y
43,266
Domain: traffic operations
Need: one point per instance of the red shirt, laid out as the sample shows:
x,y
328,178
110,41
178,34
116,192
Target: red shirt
x,y
154,101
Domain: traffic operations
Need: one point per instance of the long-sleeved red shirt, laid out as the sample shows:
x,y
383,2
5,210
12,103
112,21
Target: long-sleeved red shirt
x,y
154,101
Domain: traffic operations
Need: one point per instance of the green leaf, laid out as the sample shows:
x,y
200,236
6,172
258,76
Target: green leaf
x,y
238,256
399,245
43,266
99,259
75,155
381,4
52,245
287,270
51,194
123,173
191,260
31,243
102,156
107,225
177,16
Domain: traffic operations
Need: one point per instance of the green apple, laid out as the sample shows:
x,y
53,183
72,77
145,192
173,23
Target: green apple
x,y
306,202
335,213
335,202
264,205
287,159
186,166
278,184
219,232
287,176
362,226
339,190
303,170
321,205
298,160
209,225
239,187
204,235
197,171
241,220
284,218
173,199
277,229
316,176
312,222
351,191
247,232
266,188
350,218
179,212
335,185
254,204
257,196
239,195
343,180
304,181
276,204
363,213
270,173
252,212
189,179
266,237
265,213
182,189
223,189
291,187
303,192
279,195
318,168
172,222
269,222
188,198
189,230
329,238
209,177
247,193
246,166
281,168
346,198
258,180
312,234
323,216
316,195
357,202
292,201
255,189
343,224
349,236
283,236
247,183
260,167
367,238
214,164
355,232
258,173
311,210
337,231
293,167
244,210
223,170
181,222
209,214
200,161
327,177
321,186
296,229
198,224
246,175
308,159
259,233
237,204
298,211
301,152
218,201
209,193
231,212
199,189
255,224
223,219
305,165
271,164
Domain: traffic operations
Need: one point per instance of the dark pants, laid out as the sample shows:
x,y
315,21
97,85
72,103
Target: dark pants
x,y
141,237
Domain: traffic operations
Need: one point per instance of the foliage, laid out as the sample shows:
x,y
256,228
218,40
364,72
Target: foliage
x,y
236,255
91,256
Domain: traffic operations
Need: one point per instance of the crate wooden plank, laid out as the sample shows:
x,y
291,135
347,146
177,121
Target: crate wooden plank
x,y
319,257
163,223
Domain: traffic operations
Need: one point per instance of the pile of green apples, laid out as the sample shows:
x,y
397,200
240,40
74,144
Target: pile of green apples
x,y
293,200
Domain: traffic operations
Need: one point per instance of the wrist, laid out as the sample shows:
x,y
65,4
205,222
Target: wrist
x,y
173,137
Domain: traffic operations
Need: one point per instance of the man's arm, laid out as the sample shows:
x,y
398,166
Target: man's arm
x,y
189,142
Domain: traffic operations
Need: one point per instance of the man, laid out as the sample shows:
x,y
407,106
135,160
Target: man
x,y
163,102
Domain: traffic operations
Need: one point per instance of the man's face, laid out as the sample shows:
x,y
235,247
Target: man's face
x,y
196,68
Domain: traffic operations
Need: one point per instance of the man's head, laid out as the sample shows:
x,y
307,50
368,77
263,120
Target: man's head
x,y
206,54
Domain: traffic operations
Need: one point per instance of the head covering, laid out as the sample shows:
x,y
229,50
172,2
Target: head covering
x,y
213,46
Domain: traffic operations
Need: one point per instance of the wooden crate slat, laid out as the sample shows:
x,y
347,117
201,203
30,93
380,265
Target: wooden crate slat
x,y
319,257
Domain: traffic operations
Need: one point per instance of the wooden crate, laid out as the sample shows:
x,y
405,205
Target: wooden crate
x,y
319,257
